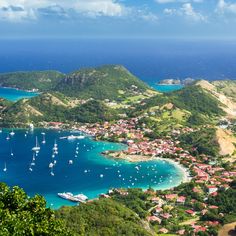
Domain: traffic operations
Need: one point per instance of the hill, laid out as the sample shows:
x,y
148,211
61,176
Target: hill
x,y
102,217
190,106
40,80
54,107
111,82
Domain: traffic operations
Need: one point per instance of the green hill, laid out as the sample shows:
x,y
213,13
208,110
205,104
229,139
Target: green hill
x,y
54,107
111,82
103,217
41,80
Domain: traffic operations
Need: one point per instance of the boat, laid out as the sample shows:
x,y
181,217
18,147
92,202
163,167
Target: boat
x,y
8,137
5,167
50,165
55,148
12,154
72,137
12,133
44,141
36,148
70,162
74,198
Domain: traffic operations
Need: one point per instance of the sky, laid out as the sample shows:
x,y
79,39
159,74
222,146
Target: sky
x,y
118,18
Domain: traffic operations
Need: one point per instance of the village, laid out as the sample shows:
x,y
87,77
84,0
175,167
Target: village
x,y
205,174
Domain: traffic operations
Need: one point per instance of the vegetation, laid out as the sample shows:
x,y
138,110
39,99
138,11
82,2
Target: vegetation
x,y
104,217
91,112
21,215
202,141
41,80
106,82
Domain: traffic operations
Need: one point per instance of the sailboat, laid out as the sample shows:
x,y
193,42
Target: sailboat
x,y
8,137
52,173
55,148
12,154
5,167
44,141
36,148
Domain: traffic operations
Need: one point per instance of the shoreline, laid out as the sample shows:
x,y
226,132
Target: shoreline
x,y
141,158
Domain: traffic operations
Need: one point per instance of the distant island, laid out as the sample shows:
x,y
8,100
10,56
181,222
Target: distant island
x,y
186,81
195,127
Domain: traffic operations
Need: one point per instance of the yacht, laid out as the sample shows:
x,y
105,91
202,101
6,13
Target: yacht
x,y
36,148
12,133
73,198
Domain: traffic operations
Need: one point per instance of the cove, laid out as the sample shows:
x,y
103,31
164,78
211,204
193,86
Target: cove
x,y
91,173
14,95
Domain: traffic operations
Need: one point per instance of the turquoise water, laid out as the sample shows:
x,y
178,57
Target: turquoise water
x,y
90,174
12,94
166,88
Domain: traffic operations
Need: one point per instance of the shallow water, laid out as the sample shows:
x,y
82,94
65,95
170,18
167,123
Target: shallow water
x,y
90,174
14,95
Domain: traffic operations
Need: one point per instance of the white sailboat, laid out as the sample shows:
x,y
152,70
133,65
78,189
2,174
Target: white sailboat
x,y
44,140
55,147
5,167
52,173
12,154
8,137
36,148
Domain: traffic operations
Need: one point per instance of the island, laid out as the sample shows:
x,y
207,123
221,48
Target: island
x,y
194,127
186,81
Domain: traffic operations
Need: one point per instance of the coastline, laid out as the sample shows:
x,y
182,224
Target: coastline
x,y
141,158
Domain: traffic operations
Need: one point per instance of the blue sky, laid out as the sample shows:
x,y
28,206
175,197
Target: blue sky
x,y
118,18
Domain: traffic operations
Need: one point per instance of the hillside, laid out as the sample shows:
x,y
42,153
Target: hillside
x,y
223,91
54,107
111,82
40,80
190,106
92,219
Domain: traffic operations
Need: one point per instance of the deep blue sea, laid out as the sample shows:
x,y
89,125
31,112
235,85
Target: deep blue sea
x,y
90,174
149,59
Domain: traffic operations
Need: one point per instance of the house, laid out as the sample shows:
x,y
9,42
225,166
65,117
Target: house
x,y
154,219
191,212
181,200
212,189
171,197
163,230
181,232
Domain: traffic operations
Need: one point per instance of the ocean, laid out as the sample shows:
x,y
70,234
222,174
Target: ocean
x,y
90,174
149,59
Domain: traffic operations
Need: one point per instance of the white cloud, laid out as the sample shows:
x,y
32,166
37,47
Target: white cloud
x,y
189,12
224,7
30,9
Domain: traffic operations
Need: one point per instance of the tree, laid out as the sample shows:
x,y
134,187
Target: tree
x,y
21,215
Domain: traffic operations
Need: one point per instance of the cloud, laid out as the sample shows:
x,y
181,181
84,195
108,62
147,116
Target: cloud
x,y
224,7
32,9
187,11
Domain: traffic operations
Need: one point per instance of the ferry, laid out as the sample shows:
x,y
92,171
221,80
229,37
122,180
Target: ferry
x,y
74,198
73,137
